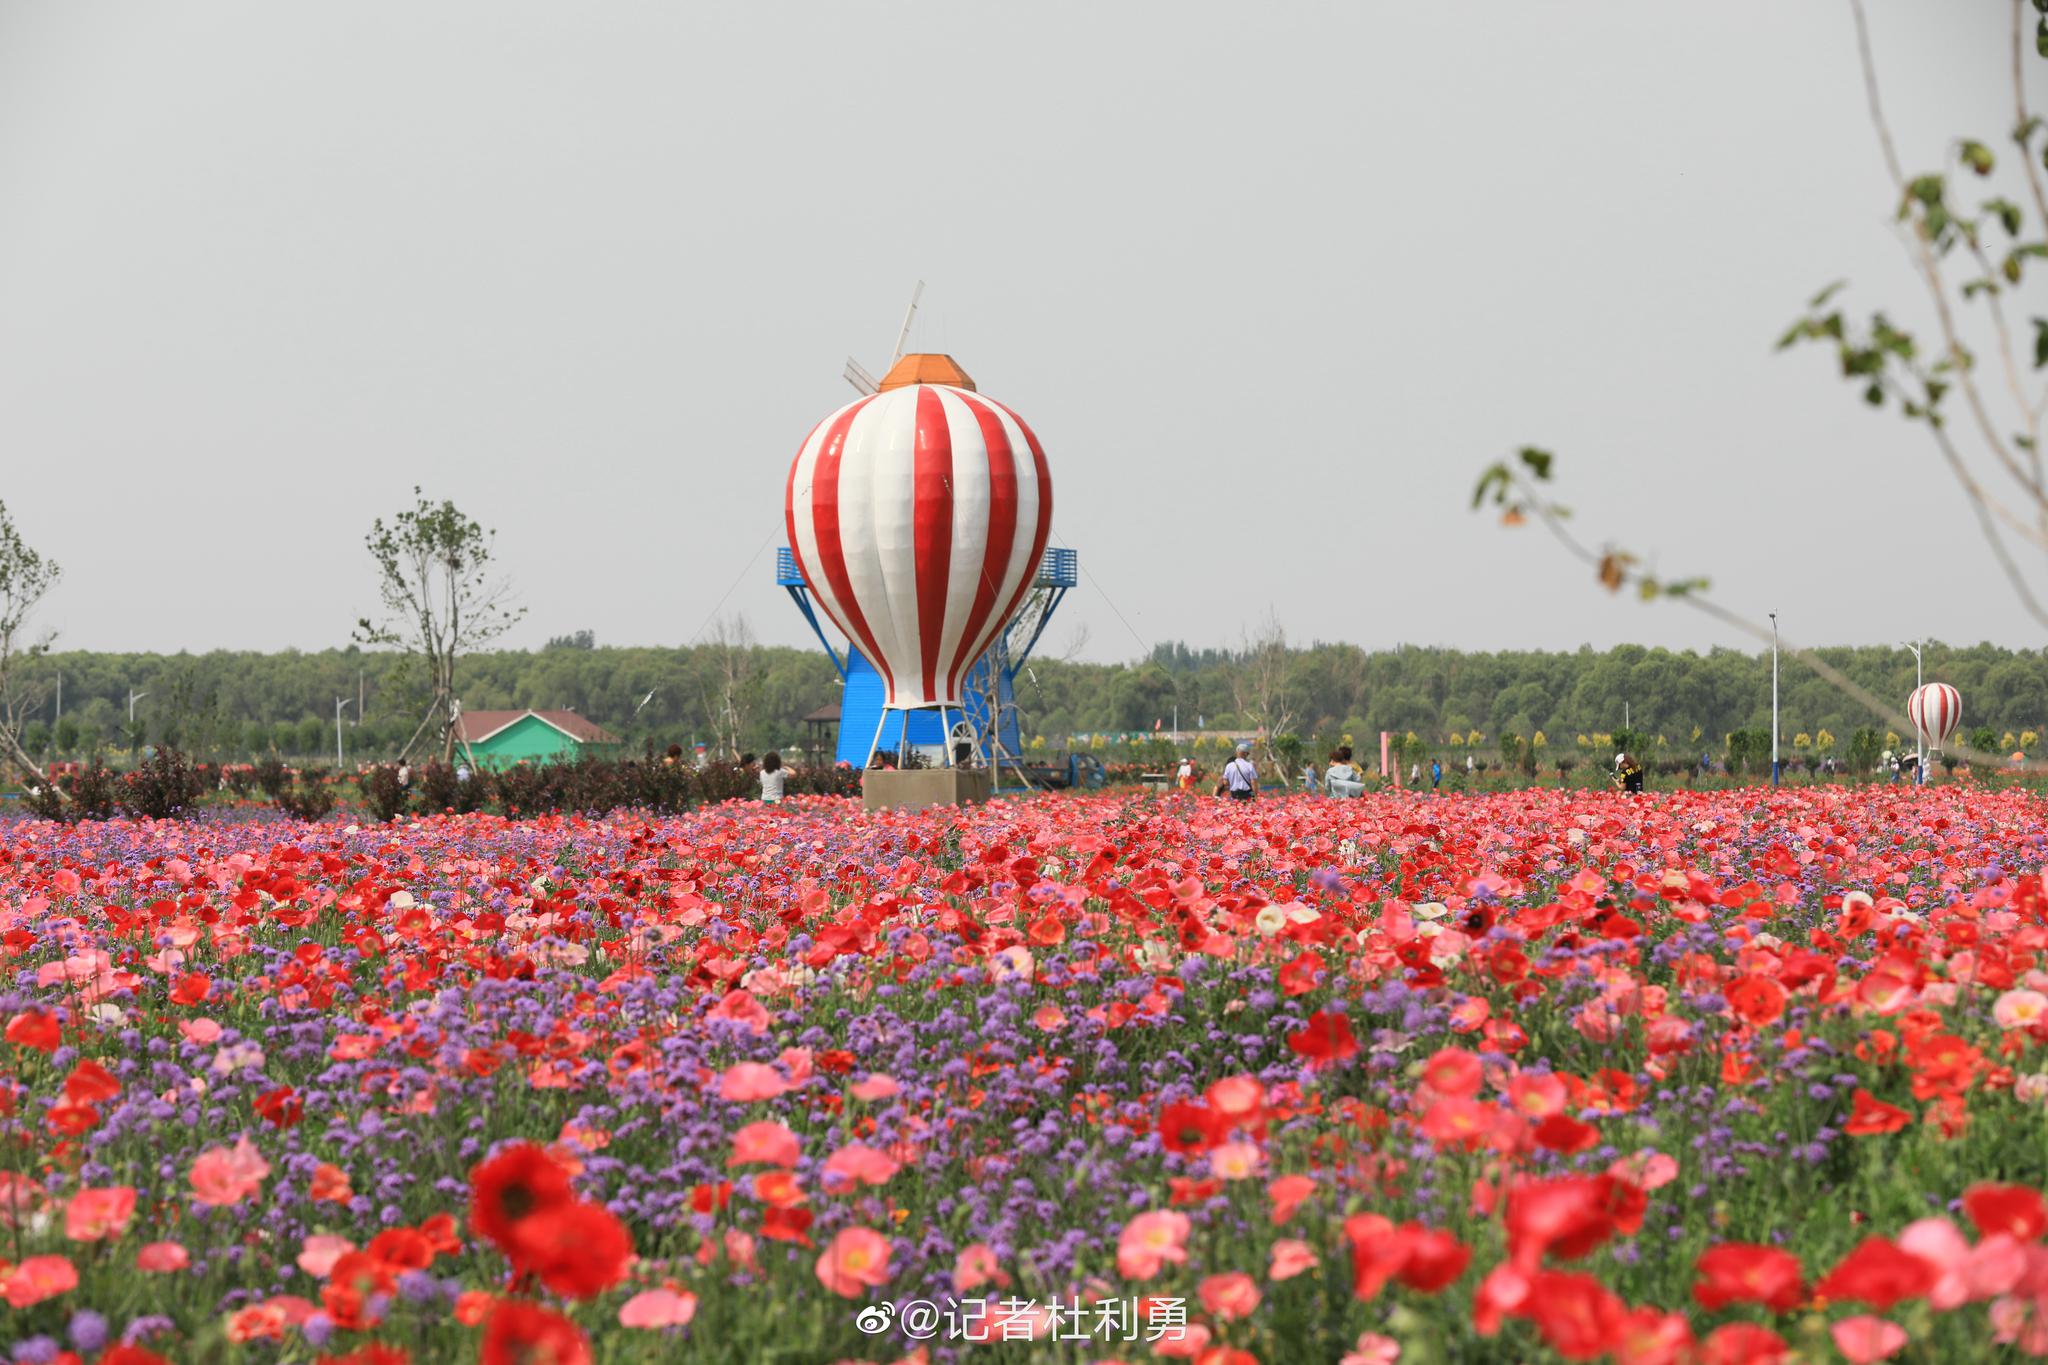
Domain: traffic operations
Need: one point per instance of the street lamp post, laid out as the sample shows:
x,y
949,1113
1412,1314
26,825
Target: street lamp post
x,y
1774,699
339,702
1919,738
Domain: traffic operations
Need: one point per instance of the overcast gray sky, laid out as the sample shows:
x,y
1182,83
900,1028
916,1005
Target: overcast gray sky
x,y
1272,283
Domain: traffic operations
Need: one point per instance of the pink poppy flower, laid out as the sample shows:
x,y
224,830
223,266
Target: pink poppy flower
x,y
858,1259
1373,1349
654,1309
1229,1296
742,1008
1864,1340
767,1141
96,1214
1149,1241
1292,1257
319,1253
747,1082
162,1258
856,1163
224,1176
2020,1009
1287,1194
975,1266
39,1278
875,1087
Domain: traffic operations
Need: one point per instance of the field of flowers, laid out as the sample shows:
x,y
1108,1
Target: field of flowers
x,y
1720,1076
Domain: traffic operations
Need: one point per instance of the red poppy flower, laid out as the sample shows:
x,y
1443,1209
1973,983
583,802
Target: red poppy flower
x,y
1326,1039
515,1184
89,1083
2011,1209
369,1353
1577,1315
1756,1000
1872,1115
439,1231
121,1353
1569,1216
402,1249
518,1333
579,1250
34,1029
281,1106
1743,1343
1563,1133
191,989
1191,1128
1424,1259
1879,1274
1738,1272
1435,1259
787,1224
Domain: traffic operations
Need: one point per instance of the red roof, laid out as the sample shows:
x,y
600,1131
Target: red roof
x,y
478,726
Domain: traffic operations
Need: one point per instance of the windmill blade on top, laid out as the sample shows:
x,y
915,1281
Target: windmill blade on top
x,y
860,378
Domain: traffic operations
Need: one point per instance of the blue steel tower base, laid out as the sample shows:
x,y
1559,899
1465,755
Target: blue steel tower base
x,y
989,704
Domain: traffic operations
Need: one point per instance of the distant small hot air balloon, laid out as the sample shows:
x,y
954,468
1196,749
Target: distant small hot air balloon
x,y
1935,711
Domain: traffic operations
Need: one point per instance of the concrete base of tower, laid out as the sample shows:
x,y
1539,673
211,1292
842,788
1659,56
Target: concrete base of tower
x,y
919,788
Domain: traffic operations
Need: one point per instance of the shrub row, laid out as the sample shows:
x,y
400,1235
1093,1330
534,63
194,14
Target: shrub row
x,y
169,786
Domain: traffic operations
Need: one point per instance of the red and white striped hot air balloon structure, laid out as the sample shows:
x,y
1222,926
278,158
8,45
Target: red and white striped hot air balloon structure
x,y
1935,709
917,517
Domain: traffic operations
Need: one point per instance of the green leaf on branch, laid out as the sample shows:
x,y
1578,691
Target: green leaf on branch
x,y
1824,295
1537,461
1874,395
2040,342
1972,288
1495,480
1977,156
2008,214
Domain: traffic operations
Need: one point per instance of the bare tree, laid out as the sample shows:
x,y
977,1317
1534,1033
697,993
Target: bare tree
x,y
440,602
1258,685
25,577
1980,266
732,659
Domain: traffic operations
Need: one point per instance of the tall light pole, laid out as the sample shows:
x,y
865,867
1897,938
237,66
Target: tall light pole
x,y
339,702
1774,699
133,697
1919,739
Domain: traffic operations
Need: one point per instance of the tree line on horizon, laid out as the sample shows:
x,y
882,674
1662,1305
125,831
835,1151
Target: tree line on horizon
x,y
729,694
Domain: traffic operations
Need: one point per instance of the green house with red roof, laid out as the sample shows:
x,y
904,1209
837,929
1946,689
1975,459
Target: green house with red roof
x,y
504,739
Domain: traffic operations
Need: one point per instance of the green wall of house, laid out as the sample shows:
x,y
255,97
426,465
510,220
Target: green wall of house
x,y
530,740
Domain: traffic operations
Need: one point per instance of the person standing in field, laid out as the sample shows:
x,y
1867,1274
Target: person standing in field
x,y
771,779
1436,773
1628,774
1185,778
1240,778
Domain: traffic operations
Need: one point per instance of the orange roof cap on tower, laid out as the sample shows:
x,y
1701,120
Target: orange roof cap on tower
x,y
926,368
